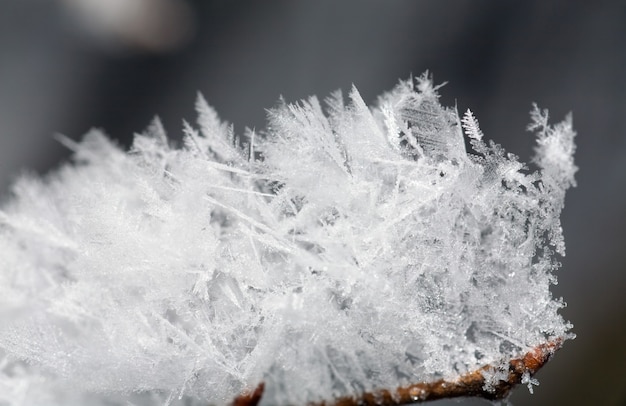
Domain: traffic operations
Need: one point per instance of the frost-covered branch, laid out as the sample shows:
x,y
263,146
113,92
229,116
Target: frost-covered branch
x,y
345,251
489,382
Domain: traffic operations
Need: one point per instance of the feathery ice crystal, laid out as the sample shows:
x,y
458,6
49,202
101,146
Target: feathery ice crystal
x,y
346,249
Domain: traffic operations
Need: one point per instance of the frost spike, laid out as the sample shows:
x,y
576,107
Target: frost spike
x,y
470,124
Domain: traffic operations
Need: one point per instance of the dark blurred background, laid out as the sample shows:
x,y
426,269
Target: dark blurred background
x,y
69,65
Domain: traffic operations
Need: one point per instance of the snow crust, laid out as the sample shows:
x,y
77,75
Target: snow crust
x,y
344,249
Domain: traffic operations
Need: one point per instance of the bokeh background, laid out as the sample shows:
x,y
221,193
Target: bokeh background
x,y
69,65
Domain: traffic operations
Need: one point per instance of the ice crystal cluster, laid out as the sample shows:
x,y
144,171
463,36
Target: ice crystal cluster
x,y
346,248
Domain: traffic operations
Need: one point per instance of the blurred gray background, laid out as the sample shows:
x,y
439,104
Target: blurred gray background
x,y
69,65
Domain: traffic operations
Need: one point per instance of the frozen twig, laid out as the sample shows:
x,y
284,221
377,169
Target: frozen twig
x,y
472,384
347,249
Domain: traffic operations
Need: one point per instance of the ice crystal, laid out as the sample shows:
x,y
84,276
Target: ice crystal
x,y
343,250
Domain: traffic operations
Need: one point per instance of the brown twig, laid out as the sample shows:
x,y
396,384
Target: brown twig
x,y
472,384
251,398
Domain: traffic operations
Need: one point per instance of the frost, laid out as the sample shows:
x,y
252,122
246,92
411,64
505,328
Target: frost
x,y
495,374
470,124
345,249
529,382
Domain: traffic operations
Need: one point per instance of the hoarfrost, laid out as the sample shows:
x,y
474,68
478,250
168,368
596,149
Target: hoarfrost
x,y
366,249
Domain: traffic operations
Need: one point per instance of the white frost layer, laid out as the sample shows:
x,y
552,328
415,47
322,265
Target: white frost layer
x,y
359,248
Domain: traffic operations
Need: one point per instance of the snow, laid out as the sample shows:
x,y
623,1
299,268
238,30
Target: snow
x,y
346,249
